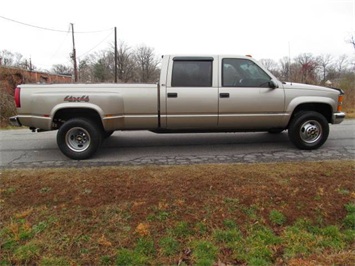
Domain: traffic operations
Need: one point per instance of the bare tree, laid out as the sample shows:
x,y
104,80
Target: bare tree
x,y
285,67
351,40
341,63
125,63
85,70
324,63
7,58
62,69
271,65
146,64
308,66
10,59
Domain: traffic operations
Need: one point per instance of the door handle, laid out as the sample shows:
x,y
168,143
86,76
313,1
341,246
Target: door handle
x,y
172,95
224,95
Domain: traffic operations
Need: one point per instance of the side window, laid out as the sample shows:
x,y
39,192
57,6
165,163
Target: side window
x,y
243,73
192,73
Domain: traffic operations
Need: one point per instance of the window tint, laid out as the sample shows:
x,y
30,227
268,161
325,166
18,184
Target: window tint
x,y
243,73
189,73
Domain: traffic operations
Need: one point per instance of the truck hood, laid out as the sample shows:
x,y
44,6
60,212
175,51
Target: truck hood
x,y
301,86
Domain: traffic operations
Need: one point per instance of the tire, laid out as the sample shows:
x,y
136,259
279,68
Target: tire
x,y
79,138
308,130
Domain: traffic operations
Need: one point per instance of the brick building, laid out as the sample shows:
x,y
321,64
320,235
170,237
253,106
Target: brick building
x,y
22,76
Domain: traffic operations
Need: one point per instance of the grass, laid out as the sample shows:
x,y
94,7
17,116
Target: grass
x,y
277,218
254,214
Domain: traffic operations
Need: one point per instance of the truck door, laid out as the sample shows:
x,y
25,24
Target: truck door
x,y
192,93
247,99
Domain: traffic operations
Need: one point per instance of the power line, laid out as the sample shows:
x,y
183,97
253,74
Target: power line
x,y
49,29
61,44
95,45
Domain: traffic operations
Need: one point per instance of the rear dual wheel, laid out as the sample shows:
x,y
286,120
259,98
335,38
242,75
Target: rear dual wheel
x,y
79,138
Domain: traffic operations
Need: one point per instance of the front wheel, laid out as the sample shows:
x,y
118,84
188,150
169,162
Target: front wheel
x,y
79,138
308,130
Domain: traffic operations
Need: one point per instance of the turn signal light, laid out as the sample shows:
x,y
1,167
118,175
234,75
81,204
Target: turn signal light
x,y
340,103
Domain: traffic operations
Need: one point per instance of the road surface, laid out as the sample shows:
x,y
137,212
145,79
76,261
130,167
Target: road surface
x,y
20,148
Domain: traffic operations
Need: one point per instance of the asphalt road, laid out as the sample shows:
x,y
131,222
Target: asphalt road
x,y
21,148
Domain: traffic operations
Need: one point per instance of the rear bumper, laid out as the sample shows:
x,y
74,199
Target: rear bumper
x,y
338,117
14,121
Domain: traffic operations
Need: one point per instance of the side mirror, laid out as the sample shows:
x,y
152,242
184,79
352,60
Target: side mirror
x,y
273,84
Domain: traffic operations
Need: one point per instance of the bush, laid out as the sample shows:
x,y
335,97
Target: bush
x,y
7,106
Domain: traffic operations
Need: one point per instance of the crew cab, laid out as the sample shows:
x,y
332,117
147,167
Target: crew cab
x,y
194,94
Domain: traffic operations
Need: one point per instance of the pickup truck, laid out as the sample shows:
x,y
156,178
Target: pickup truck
x,y
194,94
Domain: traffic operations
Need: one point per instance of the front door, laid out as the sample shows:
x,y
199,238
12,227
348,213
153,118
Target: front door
x,y
246,99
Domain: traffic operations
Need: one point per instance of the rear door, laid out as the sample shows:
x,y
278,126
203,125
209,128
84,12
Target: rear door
x,y
192,93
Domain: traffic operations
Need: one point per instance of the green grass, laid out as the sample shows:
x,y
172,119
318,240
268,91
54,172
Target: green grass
x,y
277,218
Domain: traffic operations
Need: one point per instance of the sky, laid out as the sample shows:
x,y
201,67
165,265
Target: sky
x,y
264,29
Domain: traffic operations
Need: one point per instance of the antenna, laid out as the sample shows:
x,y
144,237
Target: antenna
x,y
289,62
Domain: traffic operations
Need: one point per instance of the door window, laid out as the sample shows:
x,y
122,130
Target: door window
x,y
191,73
243,73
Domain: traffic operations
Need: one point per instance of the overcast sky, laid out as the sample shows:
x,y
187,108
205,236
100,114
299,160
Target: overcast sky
x,y
265,29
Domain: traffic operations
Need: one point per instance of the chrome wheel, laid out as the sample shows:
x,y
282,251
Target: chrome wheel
x,y
78,139
311,131
308,130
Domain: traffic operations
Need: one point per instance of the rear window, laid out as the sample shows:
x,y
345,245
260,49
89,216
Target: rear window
x,y
192,73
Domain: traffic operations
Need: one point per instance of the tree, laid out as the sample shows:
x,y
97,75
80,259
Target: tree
x,y
100,71
62,69
103,68
351,40
324,63
146,64
85,71
341,63
308,66
271,65
10,59
285,68
125,63
6,58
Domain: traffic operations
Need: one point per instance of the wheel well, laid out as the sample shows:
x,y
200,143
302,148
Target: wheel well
x,y
65,114
322,108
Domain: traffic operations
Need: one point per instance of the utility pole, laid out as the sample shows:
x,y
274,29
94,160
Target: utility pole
x,y
74,55
116,55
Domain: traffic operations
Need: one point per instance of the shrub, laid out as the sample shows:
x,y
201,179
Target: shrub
x,y
7,108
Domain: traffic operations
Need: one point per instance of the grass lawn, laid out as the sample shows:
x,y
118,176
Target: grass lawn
x,y
227,214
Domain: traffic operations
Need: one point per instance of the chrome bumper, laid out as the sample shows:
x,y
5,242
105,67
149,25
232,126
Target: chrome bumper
x,y
14,121
338,117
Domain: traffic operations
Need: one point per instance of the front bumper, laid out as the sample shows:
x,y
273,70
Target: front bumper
x,y
338,117
14,121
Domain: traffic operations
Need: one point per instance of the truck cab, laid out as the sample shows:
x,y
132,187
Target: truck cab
x,y
220,92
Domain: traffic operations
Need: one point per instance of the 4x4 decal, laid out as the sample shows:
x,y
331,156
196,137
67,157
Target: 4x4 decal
x,y
71,99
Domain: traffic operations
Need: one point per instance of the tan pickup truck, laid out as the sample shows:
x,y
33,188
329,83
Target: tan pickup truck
x,y
194,94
